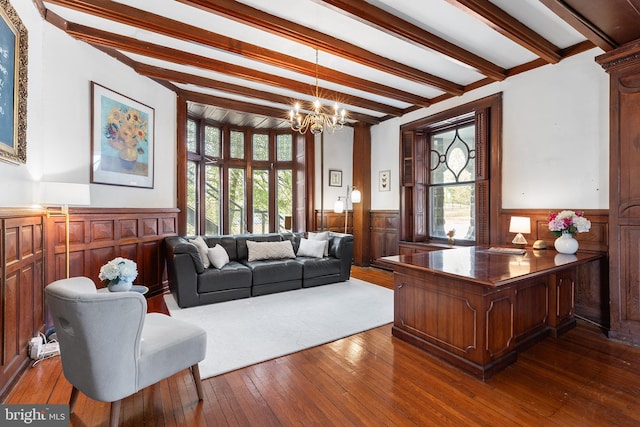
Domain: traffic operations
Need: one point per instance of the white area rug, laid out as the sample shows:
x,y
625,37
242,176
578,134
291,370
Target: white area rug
x,y
244,332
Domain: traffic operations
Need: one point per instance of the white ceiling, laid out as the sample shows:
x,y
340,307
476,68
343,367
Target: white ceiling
x,y
446,19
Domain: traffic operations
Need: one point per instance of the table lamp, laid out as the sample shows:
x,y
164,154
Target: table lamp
x,y
519,225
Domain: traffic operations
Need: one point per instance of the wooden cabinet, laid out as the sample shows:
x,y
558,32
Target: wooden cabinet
x,y
623,65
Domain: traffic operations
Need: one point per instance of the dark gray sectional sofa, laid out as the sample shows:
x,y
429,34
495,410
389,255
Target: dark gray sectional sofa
x,y
192,284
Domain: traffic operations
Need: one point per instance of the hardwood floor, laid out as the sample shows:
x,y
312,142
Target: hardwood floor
x,y
373,379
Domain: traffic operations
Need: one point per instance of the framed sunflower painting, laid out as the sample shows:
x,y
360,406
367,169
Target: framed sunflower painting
x,y
122,147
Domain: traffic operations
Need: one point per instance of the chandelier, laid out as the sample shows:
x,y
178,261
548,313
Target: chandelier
x,y
317,120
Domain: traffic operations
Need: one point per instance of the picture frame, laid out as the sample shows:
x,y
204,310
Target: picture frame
x,y
335,178
14,45
384,180
122,149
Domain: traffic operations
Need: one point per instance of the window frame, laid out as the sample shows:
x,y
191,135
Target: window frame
x,y
225,162
414,139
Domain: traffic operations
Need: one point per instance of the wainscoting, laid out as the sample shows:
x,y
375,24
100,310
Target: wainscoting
x,y
21,284
385,227
99,235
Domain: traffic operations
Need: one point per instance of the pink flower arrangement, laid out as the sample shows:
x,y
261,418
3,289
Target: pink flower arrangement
x,y
568,222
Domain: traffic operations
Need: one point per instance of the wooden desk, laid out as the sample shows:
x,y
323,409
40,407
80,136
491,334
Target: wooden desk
x,y
477,309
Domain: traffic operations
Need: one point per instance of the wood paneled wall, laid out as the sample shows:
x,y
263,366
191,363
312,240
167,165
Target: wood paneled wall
x,y
385,234
331,221
99,235
21,284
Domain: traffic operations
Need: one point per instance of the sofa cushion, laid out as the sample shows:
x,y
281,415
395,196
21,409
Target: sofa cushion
x,y
218,256
232,276
324,236
269,250
270,271
316,267
227,242
311,248
241,243
202,249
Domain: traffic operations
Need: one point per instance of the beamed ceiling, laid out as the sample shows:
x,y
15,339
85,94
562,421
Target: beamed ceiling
x,y
245,63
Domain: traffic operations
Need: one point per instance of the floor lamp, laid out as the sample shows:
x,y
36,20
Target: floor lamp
x,y
354,196
63,194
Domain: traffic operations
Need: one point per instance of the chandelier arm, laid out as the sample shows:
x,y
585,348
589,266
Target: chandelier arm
x,y
317,120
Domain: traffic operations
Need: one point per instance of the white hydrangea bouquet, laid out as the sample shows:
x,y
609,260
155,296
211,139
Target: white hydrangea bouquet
x,y
118,270
568,222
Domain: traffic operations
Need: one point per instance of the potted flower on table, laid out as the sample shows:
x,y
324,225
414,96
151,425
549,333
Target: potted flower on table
x,y
118,274
565,225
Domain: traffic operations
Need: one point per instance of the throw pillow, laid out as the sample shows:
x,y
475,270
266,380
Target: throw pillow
x,y
311,248
203,249
218,256
269,250
324,235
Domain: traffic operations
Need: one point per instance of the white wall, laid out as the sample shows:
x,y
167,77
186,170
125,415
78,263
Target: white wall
x,y
555,138
385,155
59,120
338,155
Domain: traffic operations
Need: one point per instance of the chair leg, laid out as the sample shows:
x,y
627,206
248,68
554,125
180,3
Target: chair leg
x,y
195,371
115,413
73,399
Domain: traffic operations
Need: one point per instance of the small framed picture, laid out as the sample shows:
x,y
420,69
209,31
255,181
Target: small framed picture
x,y
335,178
384,181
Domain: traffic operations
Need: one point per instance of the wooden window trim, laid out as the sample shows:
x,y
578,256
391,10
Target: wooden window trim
x,y
414,217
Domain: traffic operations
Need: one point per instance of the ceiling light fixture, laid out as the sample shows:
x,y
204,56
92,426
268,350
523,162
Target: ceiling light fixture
x,y
317,120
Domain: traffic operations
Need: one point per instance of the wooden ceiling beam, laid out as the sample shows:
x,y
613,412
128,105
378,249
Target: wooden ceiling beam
x,y
398,27
135,17
186,78
164,26
127,44
510,27
581,24
250,16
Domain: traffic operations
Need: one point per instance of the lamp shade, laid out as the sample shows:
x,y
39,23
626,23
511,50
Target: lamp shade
x,y
338,206
356,196
64,193
520,224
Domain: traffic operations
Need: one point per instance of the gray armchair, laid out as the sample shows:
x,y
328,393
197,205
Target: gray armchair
x,y
111,348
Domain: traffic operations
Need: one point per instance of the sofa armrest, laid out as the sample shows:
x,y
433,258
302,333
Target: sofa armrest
x,y
181,270
341,247
180,245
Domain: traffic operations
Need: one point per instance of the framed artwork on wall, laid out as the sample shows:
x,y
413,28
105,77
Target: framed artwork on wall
x,y
13,85
384,181
122,146
335,178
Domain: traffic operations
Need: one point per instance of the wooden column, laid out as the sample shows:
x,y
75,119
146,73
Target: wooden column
x,y
362,180
623,66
